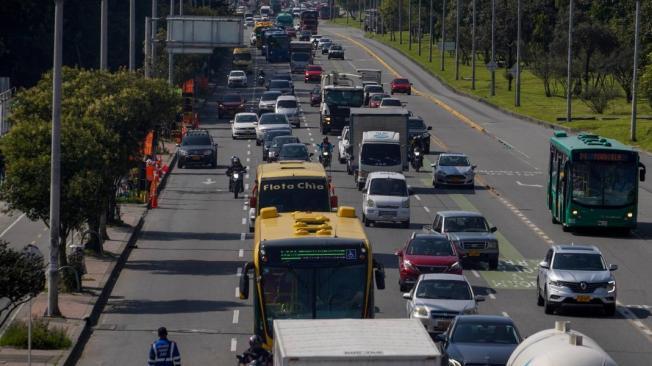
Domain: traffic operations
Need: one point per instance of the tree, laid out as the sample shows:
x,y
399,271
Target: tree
x,y
646,80
22,275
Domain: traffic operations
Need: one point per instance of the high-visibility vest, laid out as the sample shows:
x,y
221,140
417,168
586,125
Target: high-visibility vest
x,y
164,353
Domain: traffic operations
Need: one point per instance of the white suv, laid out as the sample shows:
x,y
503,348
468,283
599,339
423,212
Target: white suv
x,y
289,106
386,197
237,78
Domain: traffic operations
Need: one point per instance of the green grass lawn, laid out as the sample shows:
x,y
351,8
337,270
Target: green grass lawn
x,y
534,103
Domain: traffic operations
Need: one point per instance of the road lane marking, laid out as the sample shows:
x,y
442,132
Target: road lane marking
x,y
505,314
246,186
244,208
427,209
39,235
241,253
244,221
248,152
243,236
234,344
417,197
492,296
236,315
529,185
238,273
475,273
13,224
237,292
248,160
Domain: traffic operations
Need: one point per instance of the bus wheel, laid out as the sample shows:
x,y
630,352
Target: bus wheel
x,y
554,220
565,228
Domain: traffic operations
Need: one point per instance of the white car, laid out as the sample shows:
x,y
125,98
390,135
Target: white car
x,y
343,145
270,121
243,125
390,103
249,22
236,78
252,40
289,106
386,197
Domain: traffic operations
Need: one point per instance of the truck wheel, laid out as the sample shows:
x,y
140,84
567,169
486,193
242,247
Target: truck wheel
x,y
405,224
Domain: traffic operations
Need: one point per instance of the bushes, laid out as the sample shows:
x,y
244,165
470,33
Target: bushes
x,y
43,337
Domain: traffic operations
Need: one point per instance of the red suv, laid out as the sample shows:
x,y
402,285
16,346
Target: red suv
x,y
400,85
312,73
426,253
230,105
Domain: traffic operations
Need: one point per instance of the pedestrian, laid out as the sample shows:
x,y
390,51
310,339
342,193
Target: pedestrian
x,y
164,352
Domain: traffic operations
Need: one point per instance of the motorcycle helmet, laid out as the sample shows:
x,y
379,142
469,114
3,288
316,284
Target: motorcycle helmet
x,y
255,340
235,160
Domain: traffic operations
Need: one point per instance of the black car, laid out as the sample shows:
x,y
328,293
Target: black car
x,y
277,143
479,340
418,130
197,147
305,35
268,138
295,151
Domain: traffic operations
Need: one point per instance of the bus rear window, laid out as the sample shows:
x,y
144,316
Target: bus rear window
x,y
295,194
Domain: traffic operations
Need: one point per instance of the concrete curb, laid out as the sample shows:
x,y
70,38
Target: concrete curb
x,y
83,334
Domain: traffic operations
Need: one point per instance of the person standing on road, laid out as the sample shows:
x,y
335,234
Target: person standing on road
x,y
164,352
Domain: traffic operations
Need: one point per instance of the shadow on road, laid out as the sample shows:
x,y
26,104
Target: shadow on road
x,y
168,307
185,235
185,267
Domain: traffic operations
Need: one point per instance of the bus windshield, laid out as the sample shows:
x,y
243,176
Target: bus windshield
x,y
295,194
344,98
316,292
602,183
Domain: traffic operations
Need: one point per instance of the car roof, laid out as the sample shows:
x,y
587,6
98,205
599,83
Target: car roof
x,y
452,154
232,71
268,92
294,144
484,318
443,276
392,175
197,133
427,235
286,137
283,80
453,213
571,248
286,97
391,99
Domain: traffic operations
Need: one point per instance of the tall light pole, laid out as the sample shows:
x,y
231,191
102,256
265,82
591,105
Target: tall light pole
x,y
170,54
154,31
473,46
103,33
457,41
420,29
400,21
148,49
443,33
410,24
517,97
569,89
493,48
432,36
55,164
637,26
180,7
132,35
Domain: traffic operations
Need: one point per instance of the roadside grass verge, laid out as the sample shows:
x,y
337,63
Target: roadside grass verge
x,y
43,336
613,123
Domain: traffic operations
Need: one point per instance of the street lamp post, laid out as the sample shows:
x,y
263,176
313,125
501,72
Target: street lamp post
x,y
420,27
103,33
148,39
457,41
517,97
569,89
400,21
410,24
473,46
430,30
55,164
637,27
443,33
154,31
132,35
493,48
170,54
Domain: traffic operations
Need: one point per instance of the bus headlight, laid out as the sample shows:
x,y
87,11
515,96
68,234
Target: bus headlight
x,y
420,312
630,215
574,212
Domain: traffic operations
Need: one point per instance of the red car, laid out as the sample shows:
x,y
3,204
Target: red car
x,y
292,33
374,100
230,104
401,85
426,253
312,73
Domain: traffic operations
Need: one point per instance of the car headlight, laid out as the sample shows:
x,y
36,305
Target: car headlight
x,y
221,105
183,152
325,153
405,204
407,264
370,203
556,283
425,135
469,311
416,153
492,245
208,152
420,312
456,243
611,286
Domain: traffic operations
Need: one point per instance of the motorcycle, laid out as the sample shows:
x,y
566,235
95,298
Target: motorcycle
x,y
325,159
260,80
249,359
417,158
236,185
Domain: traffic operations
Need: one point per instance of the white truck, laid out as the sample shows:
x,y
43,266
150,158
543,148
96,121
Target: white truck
x,y
344,342
370,76
560,346
383,150
340,93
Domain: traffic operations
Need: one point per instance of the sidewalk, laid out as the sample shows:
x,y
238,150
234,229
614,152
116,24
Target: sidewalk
x,y
80,310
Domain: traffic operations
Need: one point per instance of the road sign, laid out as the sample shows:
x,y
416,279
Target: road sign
x,y
492,66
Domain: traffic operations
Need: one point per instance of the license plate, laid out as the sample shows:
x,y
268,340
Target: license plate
x,y
196,158
474,253
602,223
387,213
583,298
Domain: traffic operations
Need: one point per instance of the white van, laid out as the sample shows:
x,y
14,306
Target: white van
x,y
386,197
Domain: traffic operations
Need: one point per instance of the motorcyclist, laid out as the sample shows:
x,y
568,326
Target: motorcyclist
x,y
255,352
325,146
236,167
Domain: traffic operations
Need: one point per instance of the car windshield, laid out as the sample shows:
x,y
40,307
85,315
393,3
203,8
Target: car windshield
x,y
269,96
440,247
379,97
272,119
578,262
294,152
416,124
244,118
465,224
270,135
316,90
335,48
230,98
314,68
388,187
453,160
286,104
444,290
381,154
282,140
196,140
374,89
607,184
401,81
300,57
324,40
279,84
485,332
387,102
344,98
237,73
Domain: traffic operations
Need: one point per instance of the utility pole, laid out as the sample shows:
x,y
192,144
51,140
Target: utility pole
x,y
443,33
432,36
400,21
637,27
154,26
103,32
493,48
170,54
180,7
569,89
410,24
457,41
55,164
473,46
420,27
517,97
132,35
148,50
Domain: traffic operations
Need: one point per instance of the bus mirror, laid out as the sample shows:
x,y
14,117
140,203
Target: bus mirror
x,y
334,201
379,275
641,172
244,286
252,202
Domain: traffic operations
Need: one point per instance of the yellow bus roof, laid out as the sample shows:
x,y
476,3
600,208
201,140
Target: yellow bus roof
x,y
263,24
344,223
241,50
290,169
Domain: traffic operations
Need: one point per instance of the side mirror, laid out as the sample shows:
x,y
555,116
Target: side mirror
x,y
479,298
379,275
544,264
410,190
252,202
398,253
613,267
473,166
493,229
429,128
244,281
334,202
441,338
339,137
641,172
407,295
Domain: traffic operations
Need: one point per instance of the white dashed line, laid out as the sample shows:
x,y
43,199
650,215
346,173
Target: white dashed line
x,y
246,186
237,292
475,273
236,315
238,273
234,344
246,176
312,139
241,253
505,315
244,208
248,160
417,197
248,152
244,221
243,236
426,208
492,296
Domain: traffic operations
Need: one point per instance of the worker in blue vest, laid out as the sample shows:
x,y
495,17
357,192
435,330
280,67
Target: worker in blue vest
x,y
164,352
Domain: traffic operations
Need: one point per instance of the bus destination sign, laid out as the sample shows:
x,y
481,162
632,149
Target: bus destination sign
x,y
605,156
317,254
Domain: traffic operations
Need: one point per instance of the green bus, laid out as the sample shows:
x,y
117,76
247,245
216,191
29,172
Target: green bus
x,y
593,182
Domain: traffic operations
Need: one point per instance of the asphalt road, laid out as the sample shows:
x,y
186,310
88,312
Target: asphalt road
x,y
183,273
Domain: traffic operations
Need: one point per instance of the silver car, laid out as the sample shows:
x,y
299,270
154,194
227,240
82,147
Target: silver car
x,y
237,78
576,275
438,298
454,170
267,101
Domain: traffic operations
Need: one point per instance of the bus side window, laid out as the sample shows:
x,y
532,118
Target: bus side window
x,y
553,167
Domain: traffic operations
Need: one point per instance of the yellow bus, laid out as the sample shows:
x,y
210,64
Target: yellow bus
x,y
242,59
259,27
310,265
291,186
